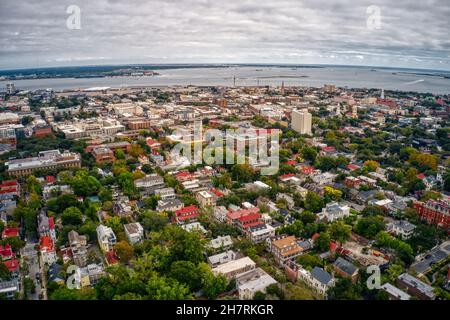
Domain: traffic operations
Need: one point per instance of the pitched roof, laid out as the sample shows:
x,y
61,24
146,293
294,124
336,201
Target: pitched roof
x,y
12,265
321,275
189,209
6,252
46,243
345,266
10,232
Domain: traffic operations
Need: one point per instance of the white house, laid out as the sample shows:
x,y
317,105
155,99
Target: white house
x,y
221,258
401,228
194,226
334,211
106,238
221,242
260,233
318,279
220,213
250,282
134,232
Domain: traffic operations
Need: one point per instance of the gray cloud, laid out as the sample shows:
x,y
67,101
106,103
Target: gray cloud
x,y
34,33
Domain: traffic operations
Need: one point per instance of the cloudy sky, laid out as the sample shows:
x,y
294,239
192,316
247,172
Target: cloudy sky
x,y
34,33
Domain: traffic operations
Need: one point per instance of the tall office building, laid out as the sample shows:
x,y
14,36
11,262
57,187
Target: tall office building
x,y
10,88
301,121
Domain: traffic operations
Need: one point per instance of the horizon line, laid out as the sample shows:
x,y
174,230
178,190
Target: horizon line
x,y
223,64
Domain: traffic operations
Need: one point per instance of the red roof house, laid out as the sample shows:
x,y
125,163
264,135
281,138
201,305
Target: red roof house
x,y
12,265
9,232
217,192
291,162
186,213
46,244
153,144
286,176
111,258
352,166
249,220
233,216
49,179
307,170
183,176
6,252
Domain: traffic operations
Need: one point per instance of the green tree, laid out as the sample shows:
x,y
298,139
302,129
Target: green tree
x,y
322,242
344,289
309,261
369,226
124,251
340,231
211,285
186,272
72,216
152,221
313,202
309,153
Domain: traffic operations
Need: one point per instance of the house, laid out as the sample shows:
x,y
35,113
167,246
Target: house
x,y
324,178
289,200
257,185
284,249
169,205
334,211
153,144
194,226
122,207
224,242
52,190
186,214
183,176
103,154
431,257
234,215
134,232
46,226
318,279
10,187
395,293
6,252
220,213
150,183
401,228
260,232
157,158
77,245
54,274
222,258
232,268
248,221
367,181
346,269
106,238
415,287
9,288
434,212
362,197
47,249
352,182
250,282
10,232
165,193
89,275
205,199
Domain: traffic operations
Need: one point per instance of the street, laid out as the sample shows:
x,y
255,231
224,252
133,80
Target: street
x,y
35,271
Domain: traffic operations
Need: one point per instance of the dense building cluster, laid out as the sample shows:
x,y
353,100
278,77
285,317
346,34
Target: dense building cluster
x,y
90,189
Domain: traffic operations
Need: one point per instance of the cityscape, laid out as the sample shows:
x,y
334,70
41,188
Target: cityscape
x,y
237,174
